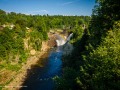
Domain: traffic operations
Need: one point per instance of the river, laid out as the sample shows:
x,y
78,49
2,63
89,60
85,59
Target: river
x,y
40,78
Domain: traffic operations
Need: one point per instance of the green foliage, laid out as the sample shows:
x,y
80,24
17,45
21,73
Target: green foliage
x,y
67,82
36,39
96,54
12,67
104,15
2,12
23,57
77,33
102,64
10,43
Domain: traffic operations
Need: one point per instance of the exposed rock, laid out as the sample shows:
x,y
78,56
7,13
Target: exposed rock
x,y
32,52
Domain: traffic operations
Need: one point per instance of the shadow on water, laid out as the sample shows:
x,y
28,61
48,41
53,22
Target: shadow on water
x,y
40,78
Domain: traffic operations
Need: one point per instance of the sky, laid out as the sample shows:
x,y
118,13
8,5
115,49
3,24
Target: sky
x,y
51,7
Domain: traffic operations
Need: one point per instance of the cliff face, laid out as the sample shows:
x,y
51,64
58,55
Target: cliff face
x,y
34,57
19,49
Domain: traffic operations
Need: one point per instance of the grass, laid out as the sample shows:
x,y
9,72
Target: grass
x,y
6,71
11,67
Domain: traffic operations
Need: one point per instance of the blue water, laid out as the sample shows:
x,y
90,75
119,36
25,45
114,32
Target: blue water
x,y
40,78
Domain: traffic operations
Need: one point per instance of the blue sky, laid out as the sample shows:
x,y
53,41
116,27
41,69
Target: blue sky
x,y
51,7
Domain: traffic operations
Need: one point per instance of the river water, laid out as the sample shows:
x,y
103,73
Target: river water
x,y
40,78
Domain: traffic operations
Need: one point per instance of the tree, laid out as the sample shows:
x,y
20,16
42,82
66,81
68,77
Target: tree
x,y
105,13
102,64
2,12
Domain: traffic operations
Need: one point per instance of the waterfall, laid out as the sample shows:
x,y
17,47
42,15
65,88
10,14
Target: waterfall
x,y
68,39
64,45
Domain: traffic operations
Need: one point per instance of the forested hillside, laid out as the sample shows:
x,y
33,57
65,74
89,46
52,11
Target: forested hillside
x,y
22,34
94,63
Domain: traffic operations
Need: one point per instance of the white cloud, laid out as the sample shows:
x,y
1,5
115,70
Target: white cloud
x,y
67,3
40,11
34,12
45,11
